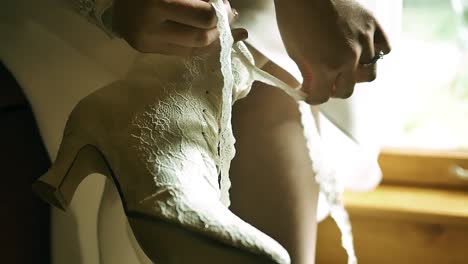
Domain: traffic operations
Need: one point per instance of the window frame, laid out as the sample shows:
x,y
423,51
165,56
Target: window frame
x,y
423,168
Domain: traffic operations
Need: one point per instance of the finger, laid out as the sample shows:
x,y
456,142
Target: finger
x,y
195,13
318,83
155,45
187,36
232,12
344,85
381,42
199,14
366,72
233,15
345,80
165,48
239,34
367,51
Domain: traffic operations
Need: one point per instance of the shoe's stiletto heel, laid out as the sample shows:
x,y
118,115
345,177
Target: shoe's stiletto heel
x,y
74,163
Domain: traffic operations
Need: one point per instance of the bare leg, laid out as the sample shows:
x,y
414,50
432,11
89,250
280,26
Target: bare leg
x,y
272,180
117,244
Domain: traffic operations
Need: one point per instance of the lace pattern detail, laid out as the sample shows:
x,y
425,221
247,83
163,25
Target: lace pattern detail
x,y
86,8
171,132
98,14
176,139
227,151
201,214
325,176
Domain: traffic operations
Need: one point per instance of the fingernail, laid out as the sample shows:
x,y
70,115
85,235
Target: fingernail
x,y
240,34
235,13
244,34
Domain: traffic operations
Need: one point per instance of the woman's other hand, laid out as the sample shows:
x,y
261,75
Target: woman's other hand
x,y
171,27
331,41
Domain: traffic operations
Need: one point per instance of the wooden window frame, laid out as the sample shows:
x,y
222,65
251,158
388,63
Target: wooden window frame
x,y
424,168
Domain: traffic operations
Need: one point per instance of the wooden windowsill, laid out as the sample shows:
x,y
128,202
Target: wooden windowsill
x,y
404,225
423,168
413,203
418,215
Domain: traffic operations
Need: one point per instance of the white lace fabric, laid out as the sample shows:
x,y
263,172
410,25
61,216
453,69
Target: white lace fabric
x,y
184,135
174,139
324,172
97,12
226,144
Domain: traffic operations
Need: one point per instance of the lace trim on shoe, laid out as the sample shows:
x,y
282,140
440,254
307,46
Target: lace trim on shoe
x,y
98,12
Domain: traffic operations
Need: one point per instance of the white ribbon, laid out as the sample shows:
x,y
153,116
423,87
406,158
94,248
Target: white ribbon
x,y
324,170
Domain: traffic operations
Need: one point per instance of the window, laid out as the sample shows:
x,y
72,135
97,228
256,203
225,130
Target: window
x,y
427,83
427,77
418,110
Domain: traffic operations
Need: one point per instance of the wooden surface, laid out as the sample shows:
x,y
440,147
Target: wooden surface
x,y
425,205
379,240
427,168
401,225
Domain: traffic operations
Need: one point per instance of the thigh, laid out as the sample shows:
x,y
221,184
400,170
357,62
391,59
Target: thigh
x,y
273,184
117,244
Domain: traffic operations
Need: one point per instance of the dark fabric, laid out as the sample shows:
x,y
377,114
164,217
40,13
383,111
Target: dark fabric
x,y
24,218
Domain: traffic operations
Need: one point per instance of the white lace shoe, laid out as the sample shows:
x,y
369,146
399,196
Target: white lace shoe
x,y
156,134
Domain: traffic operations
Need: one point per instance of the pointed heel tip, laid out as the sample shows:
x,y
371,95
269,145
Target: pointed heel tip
x,y
49,194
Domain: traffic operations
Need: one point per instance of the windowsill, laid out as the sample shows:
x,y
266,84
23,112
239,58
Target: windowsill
x,y
423,168
413,203
404,225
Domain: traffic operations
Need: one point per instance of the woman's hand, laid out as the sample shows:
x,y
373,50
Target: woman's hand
x,y
331,41
171,27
